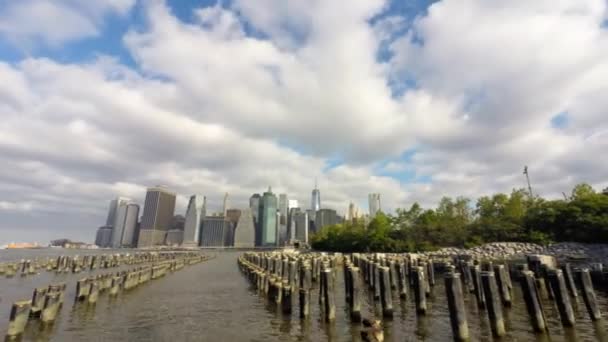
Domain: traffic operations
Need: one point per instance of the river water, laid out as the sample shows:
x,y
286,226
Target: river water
x,y
212,301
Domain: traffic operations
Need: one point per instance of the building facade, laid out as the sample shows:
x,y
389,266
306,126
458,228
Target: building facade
x,y
103,238
114,204
159,207
315,202
301,225
268,219
244,236
326,217
374,205
254,205
215,231
195,213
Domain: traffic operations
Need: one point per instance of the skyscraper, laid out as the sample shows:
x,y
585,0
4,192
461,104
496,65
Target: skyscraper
x,y
283,212
158,212
301,226
316,198
244,236
114,204
374,205
254,205
103,238
215,231
123,233
326,217
268,219
194,217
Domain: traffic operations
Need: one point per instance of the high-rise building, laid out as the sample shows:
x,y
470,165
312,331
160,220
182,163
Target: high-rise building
x,y
125,223
291,224
268,219
312,217
353,212
156,220
215,231
301,226
244,236
114,204
194,216
283,215
374,205
326,217
103,238
316,199
254,205
233,216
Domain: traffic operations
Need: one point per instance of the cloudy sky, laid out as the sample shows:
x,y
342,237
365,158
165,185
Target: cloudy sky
x,y
411,99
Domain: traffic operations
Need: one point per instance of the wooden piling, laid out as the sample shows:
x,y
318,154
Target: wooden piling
x,y
584,278
492,300
562,299
329,301
503,287
20,312
458,317
476,278
51,307
386,293
419,289
355,290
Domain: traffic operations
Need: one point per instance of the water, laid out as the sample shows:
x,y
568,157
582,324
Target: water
x,y
212,301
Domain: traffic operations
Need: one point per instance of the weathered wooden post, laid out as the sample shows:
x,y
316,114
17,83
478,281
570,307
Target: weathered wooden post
x,y
419,289
558,285
458,316
286,300
305,284
82,289
503,286
355,297
476,278
385,292
402,281
376,268
116,285
328,284
38,301
493,303
20,311
589,297
431,272
93,292
51,307
393,273
568,276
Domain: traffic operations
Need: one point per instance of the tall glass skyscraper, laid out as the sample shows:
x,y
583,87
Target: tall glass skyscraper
x,y
315,203
194,217
268,218
254,204
158,213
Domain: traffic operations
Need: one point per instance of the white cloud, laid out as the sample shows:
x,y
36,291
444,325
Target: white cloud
x,y
210,108
27,23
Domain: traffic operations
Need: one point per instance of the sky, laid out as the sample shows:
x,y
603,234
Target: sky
x,y
414,100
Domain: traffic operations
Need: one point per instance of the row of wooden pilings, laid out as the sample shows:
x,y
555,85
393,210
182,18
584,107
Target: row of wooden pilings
x,y
76,264
47,301
280,276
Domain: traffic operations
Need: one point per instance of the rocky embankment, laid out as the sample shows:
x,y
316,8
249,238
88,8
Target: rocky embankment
x,y
509,250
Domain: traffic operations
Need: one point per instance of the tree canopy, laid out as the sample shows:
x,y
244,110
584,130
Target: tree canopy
x,y
583,217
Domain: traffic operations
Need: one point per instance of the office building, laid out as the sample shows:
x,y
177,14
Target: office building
x,y
125,224
268,219
353,212
195,213
215,231
374,205
283,208
114,204
233,216
326,217
244,236
254,205
175,237
301,225
291,224
312,216
315,203
103,238
159,207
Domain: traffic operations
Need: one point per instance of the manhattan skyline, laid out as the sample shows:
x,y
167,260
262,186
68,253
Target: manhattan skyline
x,y
413,100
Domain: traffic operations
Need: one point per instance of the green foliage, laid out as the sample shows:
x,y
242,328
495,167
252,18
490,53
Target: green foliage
x,y
455,222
